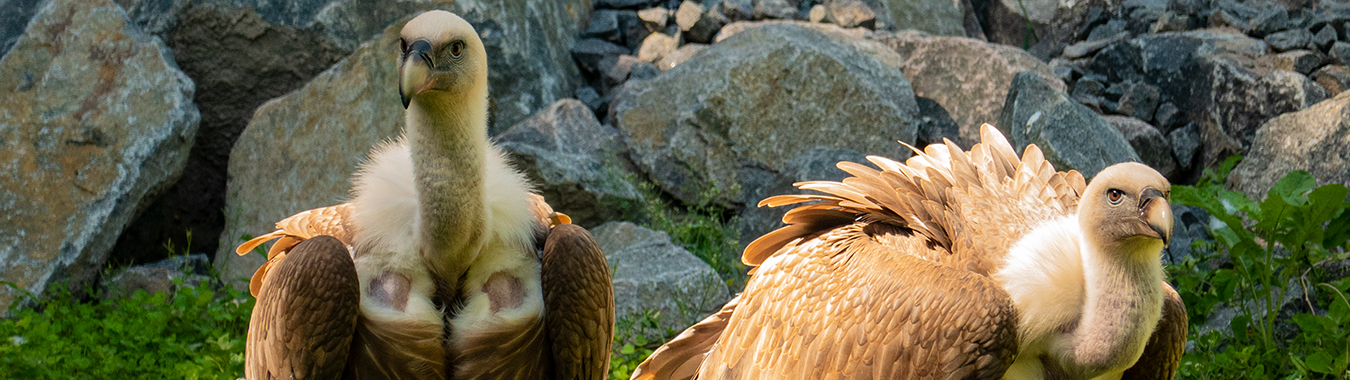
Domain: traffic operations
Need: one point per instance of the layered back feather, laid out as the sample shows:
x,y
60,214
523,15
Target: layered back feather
x,y
972,206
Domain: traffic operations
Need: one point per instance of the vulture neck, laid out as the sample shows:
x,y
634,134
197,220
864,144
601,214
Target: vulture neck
x,y
447,136
1122,305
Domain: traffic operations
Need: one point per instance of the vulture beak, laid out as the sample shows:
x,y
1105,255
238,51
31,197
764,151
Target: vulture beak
x,y
1156,212
414,70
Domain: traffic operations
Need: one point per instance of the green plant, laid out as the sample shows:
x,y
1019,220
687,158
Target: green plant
x,y
703,228
196,333
1267,246
636,336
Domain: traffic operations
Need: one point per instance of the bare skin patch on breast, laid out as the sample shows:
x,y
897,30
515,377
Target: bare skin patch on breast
x,y
390,289
504,291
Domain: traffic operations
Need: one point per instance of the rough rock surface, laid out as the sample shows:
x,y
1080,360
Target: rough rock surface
x,y
1148,142
96,120
741,26
300,150
158,276
1316,139
936,17
748,104
575,163
1070,135
652,273
969,78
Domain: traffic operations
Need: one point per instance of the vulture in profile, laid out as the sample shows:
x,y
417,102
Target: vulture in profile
x,y
445,264
952,265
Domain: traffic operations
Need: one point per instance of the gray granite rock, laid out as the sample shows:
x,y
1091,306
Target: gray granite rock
x,y
575,163
652,273
749,103
1290,39
96,121
1148,142
158,277
1185,144
1314,139
684,53
1334,78
1070,135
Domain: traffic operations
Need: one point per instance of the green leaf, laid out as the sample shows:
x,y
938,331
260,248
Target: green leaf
x,y
1338,229
1293,187
1321,362
1311,324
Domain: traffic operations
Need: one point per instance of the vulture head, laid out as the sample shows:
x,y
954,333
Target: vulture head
x,y
1126,210
441,54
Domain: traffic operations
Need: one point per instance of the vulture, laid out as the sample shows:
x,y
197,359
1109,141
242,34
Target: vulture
x,y
952,265
445,264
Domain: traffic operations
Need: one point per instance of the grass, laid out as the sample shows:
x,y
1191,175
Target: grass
x,y
196,333
704,228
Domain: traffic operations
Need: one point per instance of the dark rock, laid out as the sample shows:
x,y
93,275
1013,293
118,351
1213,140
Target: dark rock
x,y
1167,116
643,70
816,164
1109,30
1290,39
738,10
1140,101
656,46
588,52
14,18
651,273
574,162
624,4
969,78
1070,135
617,68
1153,149
1340,51
1170,22
1325,37
1185,144
632,30
1188,7
935,124
604,25
1272,20
851,13
1223,19
1315,140
698,24
1064,73
158,277
945,18
589,96
755,100
1334,78
96,121
1088,92
1302,61
779,9
1190,224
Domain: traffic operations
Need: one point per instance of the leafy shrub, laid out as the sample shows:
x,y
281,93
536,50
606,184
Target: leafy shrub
x,y
636,336
1260,248
702,228
196,333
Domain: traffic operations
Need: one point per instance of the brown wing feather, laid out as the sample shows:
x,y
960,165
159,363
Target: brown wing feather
x,y
833,306
517,352
400,349
578,304
679,359
331,221
1166,345
302,324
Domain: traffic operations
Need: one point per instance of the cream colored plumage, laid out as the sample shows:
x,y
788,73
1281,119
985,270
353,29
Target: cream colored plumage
x,y
952,265
444,239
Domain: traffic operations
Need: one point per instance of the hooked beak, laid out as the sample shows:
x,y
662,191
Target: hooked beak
x,y
414,71
1156,212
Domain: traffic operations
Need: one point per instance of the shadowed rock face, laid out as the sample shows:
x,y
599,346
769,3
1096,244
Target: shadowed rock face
x,y
1069,134
97,121
742,108
1316,139
652,273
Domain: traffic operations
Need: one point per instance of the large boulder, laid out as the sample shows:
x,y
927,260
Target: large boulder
x,y
575,162
97,120
1316,140
245,52
300,150
1069,134
653,274
740,110
968,77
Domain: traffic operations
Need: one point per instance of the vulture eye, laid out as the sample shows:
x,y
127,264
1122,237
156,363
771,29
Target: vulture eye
x,y
1115,196
456,48
403,46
